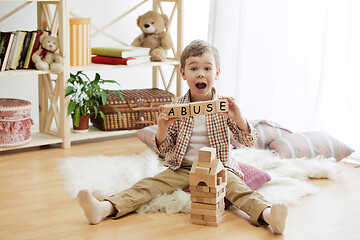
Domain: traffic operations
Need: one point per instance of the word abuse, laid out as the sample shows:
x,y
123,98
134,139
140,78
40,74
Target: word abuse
x,y
196,108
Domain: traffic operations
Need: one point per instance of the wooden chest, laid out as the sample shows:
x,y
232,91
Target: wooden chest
x,y
15,122
139,110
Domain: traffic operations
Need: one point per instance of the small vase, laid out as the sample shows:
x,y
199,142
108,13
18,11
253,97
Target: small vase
x,y
83,124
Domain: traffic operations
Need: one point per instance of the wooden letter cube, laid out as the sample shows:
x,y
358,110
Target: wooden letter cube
x,y
196,108
183,110
222,105
170,110
209,107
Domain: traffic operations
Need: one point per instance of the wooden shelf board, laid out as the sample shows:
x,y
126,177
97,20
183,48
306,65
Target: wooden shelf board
x,y
96,66
30,0
37,139
22,72
94,133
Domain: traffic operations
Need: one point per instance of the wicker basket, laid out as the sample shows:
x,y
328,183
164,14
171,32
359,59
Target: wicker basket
x,y
139,110
15,122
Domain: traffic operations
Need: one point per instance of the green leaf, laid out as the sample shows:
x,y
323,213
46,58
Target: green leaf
x,y
76,117
111,81
71,107
69,91
103,97
102,115
120,95
97,78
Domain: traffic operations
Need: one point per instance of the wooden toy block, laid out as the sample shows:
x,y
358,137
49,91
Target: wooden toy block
x,y
183,110
197,216
202,170
196,108
205,164
213,201
171,110
216,165
205,189
206,154
222,105
217,188
195,163
213,218
217,223
196,178
206,200
204,212
204,194
197,199
205,206
199,188
198,222
209,107
219,180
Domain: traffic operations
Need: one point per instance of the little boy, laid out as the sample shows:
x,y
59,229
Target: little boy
x,y
179,139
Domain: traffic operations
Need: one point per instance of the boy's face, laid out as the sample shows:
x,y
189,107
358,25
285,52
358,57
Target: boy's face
x,y
200,72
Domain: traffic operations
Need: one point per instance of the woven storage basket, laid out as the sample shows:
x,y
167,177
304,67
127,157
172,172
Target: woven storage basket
x,y
15,122
140,109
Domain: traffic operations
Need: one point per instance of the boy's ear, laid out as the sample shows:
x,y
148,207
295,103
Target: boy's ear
x,y
182,71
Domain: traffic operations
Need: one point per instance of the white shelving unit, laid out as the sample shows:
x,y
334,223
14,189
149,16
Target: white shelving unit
x,y
52,101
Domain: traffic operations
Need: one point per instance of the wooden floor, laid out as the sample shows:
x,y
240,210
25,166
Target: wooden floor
x,y
34,205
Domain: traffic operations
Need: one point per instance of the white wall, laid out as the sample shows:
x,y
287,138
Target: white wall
x,y
196,16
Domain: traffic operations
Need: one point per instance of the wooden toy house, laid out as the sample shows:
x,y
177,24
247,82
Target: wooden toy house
x,y
207,186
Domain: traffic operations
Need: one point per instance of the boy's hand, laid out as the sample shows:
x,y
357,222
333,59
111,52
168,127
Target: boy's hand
x,y
163,122
234,113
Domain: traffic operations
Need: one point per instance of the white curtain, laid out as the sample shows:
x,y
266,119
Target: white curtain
x,y
296,62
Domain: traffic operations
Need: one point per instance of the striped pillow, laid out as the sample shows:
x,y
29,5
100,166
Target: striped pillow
x,y
267,131
310,145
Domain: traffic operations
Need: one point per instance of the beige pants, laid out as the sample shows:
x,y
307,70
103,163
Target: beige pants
x,y
142,192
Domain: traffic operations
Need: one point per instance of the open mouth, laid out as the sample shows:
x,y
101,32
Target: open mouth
x,y
200,85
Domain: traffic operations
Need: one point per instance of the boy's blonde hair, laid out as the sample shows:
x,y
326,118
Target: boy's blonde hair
x,y
198,48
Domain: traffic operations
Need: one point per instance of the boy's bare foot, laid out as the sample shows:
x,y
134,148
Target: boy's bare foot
x,y
276,217
94,210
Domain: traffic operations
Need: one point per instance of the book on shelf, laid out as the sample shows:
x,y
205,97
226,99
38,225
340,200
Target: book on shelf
x,y
120,61
30,50
11,54
17,50
6,40
120,52
24,50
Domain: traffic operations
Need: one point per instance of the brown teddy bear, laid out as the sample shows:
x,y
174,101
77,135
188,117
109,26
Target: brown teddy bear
x,y
47,56
152,24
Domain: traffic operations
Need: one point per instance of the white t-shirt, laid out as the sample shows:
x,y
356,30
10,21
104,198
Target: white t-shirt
x,y
199,139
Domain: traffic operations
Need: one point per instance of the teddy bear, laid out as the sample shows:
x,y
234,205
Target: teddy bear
x,y
47,56
153,24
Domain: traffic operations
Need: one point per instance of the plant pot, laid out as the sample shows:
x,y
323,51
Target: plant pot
x,y
83,124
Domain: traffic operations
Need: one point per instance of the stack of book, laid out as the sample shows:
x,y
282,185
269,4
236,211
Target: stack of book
x,y
120,55
17,48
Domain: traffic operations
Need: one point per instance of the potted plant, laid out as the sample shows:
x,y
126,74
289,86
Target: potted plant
x,y
86,95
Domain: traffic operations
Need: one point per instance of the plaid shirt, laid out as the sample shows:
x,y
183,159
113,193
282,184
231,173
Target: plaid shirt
x,y
179,133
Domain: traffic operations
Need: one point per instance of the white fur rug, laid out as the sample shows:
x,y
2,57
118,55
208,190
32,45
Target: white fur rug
x,y
108,175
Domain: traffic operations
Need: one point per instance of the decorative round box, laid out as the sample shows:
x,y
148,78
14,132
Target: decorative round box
x,y
15,122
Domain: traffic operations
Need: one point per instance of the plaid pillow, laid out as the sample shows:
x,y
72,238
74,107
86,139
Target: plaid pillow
x,y
310,145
